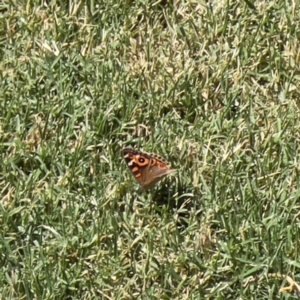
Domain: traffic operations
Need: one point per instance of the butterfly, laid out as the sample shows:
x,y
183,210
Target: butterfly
x,y
147,169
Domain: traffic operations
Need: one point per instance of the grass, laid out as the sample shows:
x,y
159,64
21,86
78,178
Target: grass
x,y
210,86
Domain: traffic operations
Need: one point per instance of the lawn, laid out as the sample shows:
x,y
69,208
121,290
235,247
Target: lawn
x,y
210,86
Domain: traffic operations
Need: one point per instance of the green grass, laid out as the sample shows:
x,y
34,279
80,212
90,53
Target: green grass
x,y
211,86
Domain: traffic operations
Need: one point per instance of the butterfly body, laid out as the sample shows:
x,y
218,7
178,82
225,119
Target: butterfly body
x,y
147,169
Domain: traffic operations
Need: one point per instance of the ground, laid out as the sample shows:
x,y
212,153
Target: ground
x,y
212,87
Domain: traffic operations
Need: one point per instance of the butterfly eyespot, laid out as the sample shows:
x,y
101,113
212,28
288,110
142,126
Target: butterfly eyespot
x,y
141,160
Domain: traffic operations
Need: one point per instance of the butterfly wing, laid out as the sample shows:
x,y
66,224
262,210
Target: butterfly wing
x,y
146,168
